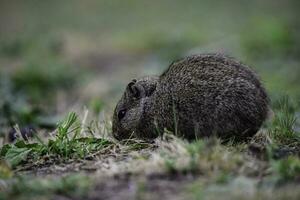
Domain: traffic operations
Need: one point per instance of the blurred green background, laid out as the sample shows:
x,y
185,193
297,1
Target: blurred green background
x,y
56,56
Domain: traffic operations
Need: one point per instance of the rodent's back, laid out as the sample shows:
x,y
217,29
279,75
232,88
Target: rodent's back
x,y
210,94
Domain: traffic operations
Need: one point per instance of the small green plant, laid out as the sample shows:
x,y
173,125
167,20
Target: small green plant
x,y
67,144
64,144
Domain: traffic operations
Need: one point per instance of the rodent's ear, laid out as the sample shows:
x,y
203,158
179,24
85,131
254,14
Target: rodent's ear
x,y
135,89
129,86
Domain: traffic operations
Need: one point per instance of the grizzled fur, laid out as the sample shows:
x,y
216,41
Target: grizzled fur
x,y
197,96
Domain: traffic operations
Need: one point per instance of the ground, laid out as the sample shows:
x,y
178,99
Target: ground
x,y
64,66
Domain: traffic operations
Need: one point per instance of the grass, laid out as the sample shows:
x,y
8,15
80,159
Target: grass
x,y
67,144
282,130
46,71
211,163
214,166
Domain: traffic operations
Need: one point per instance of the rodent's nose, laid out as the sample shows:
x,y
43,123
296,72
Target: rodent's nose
x,y
121,135
116,136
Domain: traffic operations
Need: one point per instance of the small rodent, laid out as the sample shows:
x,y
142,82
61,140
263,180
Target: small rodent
x,y
198,96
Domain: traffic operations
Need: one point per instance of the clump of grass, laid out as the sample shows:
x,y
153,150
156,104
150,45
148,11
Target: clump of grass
x,y
282,129
67,144
63,144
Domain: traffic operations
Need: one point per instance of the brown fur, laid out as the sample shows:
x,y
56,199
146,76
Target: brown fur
x,y
197,96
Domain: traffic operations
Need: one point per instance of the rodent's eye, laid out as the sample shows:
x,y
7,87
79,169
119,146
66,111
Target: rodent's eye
x,y
121,114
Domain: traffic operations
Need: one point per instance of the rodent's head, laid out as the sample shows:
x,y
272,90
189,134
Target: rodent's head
x,y
130,110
